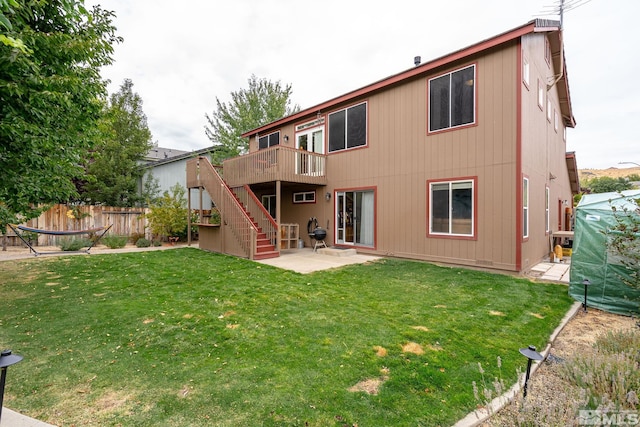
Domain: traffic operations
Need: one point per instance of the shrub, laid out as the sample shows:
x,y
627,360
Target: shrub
x,y
143,243
73,244
135,237
115,242
157,243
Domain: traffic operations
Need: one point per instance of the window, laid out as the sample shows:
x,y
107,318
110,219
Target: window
x,y
555,120
548,110
452,99
547,51
451,208
348,128
269,203
546,209
306,197
540,95
525,207
525,72
269,140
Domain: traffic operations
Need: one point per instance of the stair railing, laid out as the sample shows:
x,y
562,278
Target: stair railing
x,y
231,212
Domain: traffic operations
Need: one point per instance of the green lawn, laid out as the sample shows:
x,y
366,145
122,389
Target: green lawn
x,y
189,338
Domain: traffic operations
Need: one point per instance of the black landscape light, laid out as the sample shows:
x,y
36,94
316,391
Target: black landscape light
x,y
6,359
531,354
586,283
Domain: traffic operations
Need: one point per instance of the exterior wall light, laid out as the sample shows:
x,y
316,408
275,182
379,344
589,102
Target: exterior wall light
x,y
327,196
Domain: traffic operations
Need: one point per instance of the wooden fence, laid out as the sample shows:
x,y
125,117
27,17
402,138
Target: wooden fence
x,y
125,221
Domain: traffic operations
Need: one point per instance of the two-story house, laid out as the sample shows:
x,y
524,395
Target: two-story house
x,y
458,160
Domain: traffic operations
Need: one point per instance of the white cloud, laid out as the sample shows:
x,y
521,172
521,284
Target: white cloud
x,y
182,56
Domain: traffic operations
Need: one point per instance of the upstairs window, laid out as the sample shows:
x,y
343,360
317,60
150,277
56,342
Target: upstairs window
x,y
269,140
348,128
452,99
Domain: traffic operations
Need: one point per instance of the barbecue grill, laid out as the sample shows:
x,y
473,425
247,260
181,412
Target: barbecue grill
x,y
317,234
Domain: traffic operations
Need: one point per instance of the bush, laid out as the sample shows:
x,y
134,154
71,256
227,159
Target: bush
x,y
143,243
115,242
157,243
73,244
135,237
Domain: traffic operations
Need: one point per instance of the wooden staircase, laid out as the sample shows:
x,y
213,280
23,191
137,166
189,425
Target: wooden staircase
x,y
253,227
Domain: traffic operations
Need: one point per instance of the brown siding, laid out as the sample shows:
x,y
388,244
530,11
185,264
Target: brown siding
x,y
543,152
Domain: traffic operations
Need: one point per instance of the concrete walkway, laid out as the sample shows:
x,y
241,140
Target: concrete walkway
x,y
303,261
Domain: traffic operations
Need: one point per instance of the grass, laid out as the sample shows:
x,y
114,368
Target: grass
x,y
186,337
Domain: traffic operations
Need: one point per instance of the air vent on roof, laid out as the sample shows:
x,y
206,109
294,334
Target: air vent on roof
x,y
417,60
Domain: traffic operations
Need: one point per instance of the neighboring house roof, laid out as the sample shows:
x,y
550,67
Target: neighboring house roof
x,y
535,26
159,153
176,158
572,168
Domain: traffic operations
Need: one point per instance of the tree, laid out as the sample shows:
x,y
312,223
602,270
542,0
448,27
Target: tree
x,y
113,170
262,103
606,184
168,215
51,97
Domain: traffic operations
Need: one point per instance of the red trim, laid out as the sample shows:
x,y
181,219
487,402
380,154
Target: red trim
x,y
375,217
518,174
474,236
425,68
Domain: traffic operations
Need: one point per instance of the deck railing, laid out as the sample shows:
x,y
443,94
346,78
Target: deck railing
x,y
200,173
276,164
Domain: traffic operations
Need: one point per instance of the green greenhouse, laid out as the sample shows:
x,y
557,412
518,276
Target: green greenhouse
x,y
592,261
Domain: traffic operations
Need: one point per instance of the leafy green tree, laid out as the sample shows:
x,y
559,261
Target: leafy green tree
x,y
263,102
113,171
606,184
168,215
51,97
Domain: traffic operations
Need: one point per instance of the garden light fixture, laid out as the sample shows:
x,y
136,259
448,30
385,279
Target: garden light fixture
x,y
6,359
586,283
531,354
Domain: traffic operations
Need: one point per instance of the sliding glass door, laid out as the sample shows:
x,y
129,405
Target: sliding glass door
x,y
355,220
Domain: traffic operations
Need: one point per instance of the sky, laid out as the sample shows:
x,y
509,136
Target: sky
x,y
181,56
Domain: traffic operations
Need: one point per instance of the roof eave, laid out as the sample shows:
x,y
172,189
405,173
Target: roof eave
x,y
528,28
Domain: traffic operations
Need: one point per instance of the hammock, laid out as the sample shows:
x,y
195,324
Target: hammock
x,y
15,229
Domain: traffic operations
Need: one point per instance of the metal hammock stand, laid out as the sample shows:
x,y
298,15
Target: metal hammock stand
x,y
23,228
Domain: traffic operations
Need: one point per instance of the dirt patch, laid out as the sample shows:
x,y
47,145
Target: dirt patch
x,y
371,385
421,328
547,392
380,351
412,347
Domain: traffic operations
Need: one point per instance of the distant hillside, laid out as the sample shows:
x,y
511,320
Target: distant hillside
x,y
611,172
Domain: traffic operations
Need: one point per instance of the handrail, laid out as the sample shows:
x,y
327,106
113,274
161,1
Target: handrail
x,y
201,172
258,211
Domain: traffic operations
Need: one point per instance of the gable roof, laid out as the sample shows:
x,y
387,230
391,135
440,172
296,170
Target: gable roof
x,y
534,26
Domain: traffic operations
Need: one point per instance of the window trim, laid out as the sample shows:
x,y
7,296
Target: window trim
x,y
307,197
547,209
474,122
526,72
540,96
366,130
474,212
525,207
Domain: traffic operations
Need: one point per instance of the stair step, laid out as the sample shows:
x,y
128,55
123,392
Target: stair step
x,y
266,255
